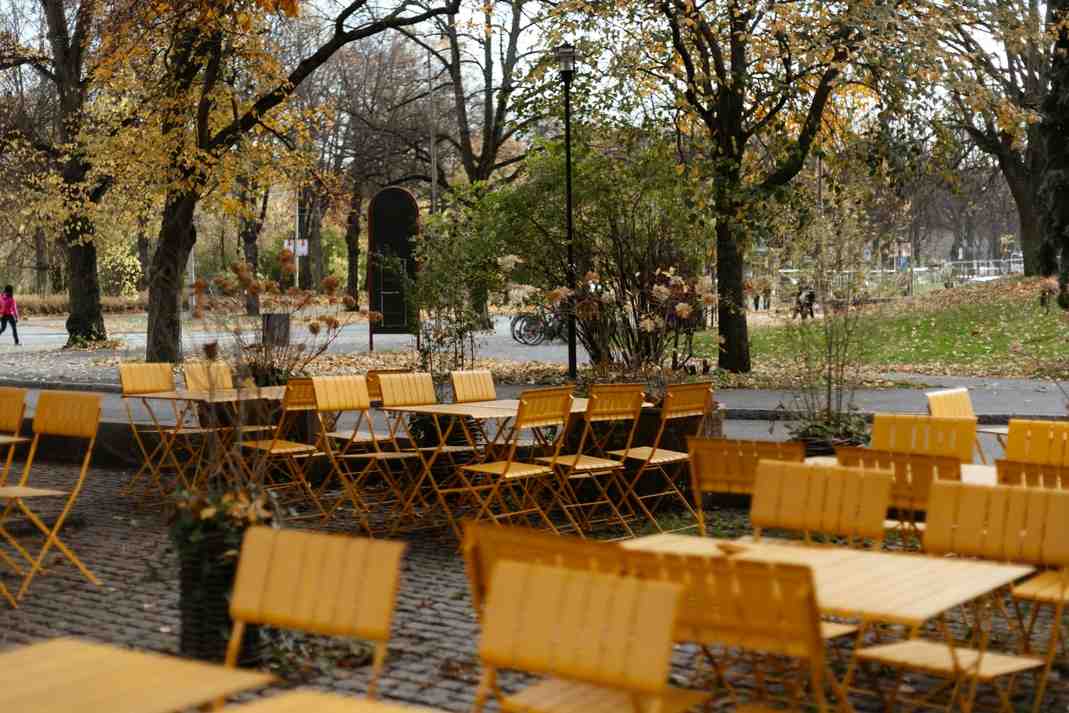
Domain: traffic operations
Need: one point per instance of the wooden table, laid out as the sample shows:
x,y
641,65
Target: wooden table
x,y
65,675
882,587
316,702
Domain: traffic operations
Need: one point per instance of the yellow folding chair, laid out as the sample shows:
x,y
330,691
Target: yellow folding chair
x,y
374,385
658,463
471,386
59,413
1037,454
926,435
331,585
603,641
835,501
12,411
955,403
512,488
724,465
337,396
588,481
912,475
281,456
1006,524
137,381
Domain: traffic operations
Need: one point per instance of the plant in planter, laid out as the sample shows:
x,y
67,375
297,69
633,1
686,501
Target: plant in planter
x,y
207,529
831,347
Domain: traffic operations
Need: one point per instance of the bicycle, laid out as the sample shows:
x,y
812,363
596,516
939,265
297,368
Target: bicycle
x,y
533,329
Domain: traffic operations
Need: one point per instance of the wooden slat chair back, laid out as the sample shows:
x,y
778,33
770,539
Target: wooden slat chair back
x,y
912,476
407,389
610,635
147,378
12,412
725,465
1033,441
67,414
954,403
1032,475
686,400
331,585
212,375
477,385
543,408
927,435
950,403
832,500
374,385
1001,523
12,409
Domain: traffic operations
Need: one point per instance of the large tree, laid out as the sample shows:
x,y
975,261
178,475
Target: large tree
x,y
205,49
72,31
994,58
748,84
1054,134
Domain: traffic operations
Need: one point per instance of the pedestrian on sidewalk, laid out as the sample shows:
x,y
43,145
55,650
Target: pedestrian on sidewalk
x,y
9,313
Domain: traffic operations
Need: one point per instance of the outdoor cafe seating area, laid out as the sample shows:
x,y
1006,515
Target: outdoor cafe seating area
x,y
589,549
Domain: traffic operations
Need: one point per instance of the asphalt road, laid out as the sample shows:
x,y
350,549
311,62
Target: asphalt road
x,y
43,335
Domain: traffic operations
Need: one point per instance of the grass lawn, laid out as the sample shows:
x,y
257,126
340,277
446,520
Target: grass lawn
x,y
992,329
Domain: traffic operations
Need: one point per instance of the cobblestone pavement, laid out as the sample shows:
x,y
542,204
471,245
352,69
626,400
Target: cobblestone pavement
x,y
432,650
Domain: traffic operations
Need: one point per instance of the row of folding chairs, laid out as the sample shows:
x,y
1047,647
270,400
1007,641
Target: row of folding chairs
x,y
533,469
26,535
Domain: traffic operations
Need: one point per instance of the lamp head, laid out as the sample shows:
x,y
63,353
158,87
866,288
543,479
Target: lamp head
x,y
566,58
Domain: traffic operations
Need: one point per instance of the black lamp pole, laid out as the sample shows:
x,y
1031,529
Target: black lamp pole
x,y
566,60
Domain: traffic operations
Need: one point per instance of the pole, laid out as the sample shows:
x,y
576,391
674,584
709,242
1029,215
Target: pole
x,y
432,120
296,239
567,75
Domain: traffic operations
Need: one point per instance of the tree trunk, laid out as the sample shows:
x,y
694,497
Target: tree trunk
x,y
731,310
352,243
143,259
177,236
85,323
313,207
40,264
57,274
1054,128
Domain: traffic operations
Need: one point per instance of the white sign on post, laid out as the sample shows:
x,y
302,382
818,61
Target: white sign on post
x,y
300,251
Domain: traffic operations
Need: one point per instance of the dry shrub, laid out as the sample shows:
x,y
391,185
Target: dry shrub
x,y
44,305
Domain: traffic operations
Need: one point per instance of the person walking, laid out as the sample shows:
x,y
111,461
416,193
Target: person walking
x,y
9,313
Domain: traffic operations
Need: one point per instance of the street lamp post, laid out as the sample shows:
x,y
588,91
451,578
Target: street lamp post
x,y
566,62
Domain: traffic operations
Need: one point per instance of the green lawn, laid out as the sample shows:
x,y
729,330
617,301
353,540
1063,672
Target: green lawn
x,y
993,329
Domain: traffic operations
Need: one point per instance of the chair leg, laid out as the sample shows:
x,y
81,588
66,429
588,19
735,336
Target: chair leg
x,y
51,538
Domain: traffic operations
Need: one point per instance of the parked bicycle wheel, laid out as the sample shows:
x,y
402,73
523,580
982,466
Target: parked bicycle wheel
x,y
514,324
530,330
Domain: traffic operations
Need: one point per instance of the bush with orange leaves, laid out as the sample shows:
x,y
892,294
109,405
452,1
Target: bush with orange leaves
x,y
318,315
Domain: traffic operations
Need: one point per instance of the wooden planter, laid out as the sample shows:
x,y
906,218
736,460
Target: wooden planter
x,y
206,577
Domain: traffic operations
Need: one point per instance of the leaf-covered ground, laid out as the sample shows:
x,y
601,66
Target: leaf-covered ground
x,y
995,329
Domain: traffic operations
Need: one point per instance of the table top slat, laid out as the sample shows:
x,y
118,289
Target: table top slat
x,y
67,674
